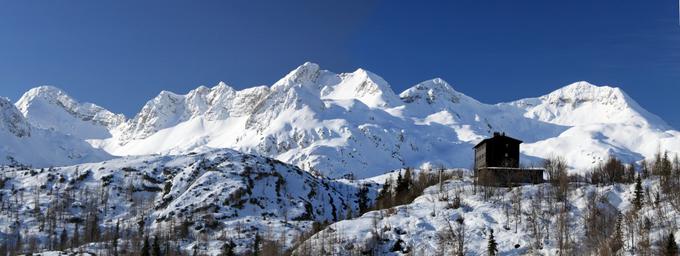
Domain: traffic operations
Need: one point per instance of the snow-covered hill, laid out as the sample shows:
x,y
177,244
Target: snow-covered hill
x,y
526,220
22,143
355,123
223,195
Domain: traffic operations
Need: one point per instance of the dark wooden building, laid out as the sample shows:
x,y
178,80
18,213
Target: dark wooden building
x,y
497,151
497,162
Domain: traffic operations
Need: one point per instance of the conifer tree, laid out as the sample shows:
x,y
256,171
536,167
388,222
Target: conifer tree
x,y
384,198
670,247
492,248
407,180
638,194
145,247
140,226
116,236
19,245
156,248
256,244
93,228
75,241
616,242
63,240
362,194
645,169
228,248
400,179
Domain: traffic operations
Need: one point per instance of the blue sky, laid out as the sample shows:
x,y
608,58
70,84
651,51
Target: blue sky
x,y
119,54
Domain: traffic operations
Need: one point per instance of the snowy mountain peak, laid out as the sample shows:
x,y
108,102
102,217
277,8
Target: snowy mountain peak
x,y
164,95
11,119
200,90
49,107
45,90
372,83
433,91
304,74
583,91
158,113
583,103
361,85
221,87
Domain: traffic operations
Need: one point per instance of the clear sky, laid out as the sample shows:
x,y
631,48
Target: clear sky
x,y
119,54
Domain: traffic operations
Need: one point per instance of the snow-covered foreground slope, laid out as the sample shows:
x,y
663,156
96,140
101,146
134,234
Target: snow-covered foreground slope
x,y
355,123
221,195
431,225
21,142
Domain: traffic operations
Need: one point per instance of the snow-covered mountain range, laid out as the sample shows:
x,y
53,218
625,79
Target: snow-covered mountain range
x,y
355,123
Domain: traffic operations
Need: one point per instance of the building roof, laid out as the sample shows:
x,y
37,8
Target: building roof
x,y
497,135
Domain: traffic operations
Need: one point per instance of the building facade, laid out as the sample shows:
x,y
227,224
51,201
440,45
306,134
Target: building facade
x,y
497,151
497,162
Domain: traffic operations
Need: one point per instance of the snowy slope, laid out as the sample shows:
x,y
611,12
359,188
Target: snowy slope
x,y
221,193
48,107
427,226
22,143
355,123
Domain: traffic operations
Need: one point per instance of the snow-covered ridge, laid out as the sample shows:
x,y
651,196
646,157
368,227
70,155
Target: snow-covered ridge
x,y
169,109
431,91
48,107
354,122
22,143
